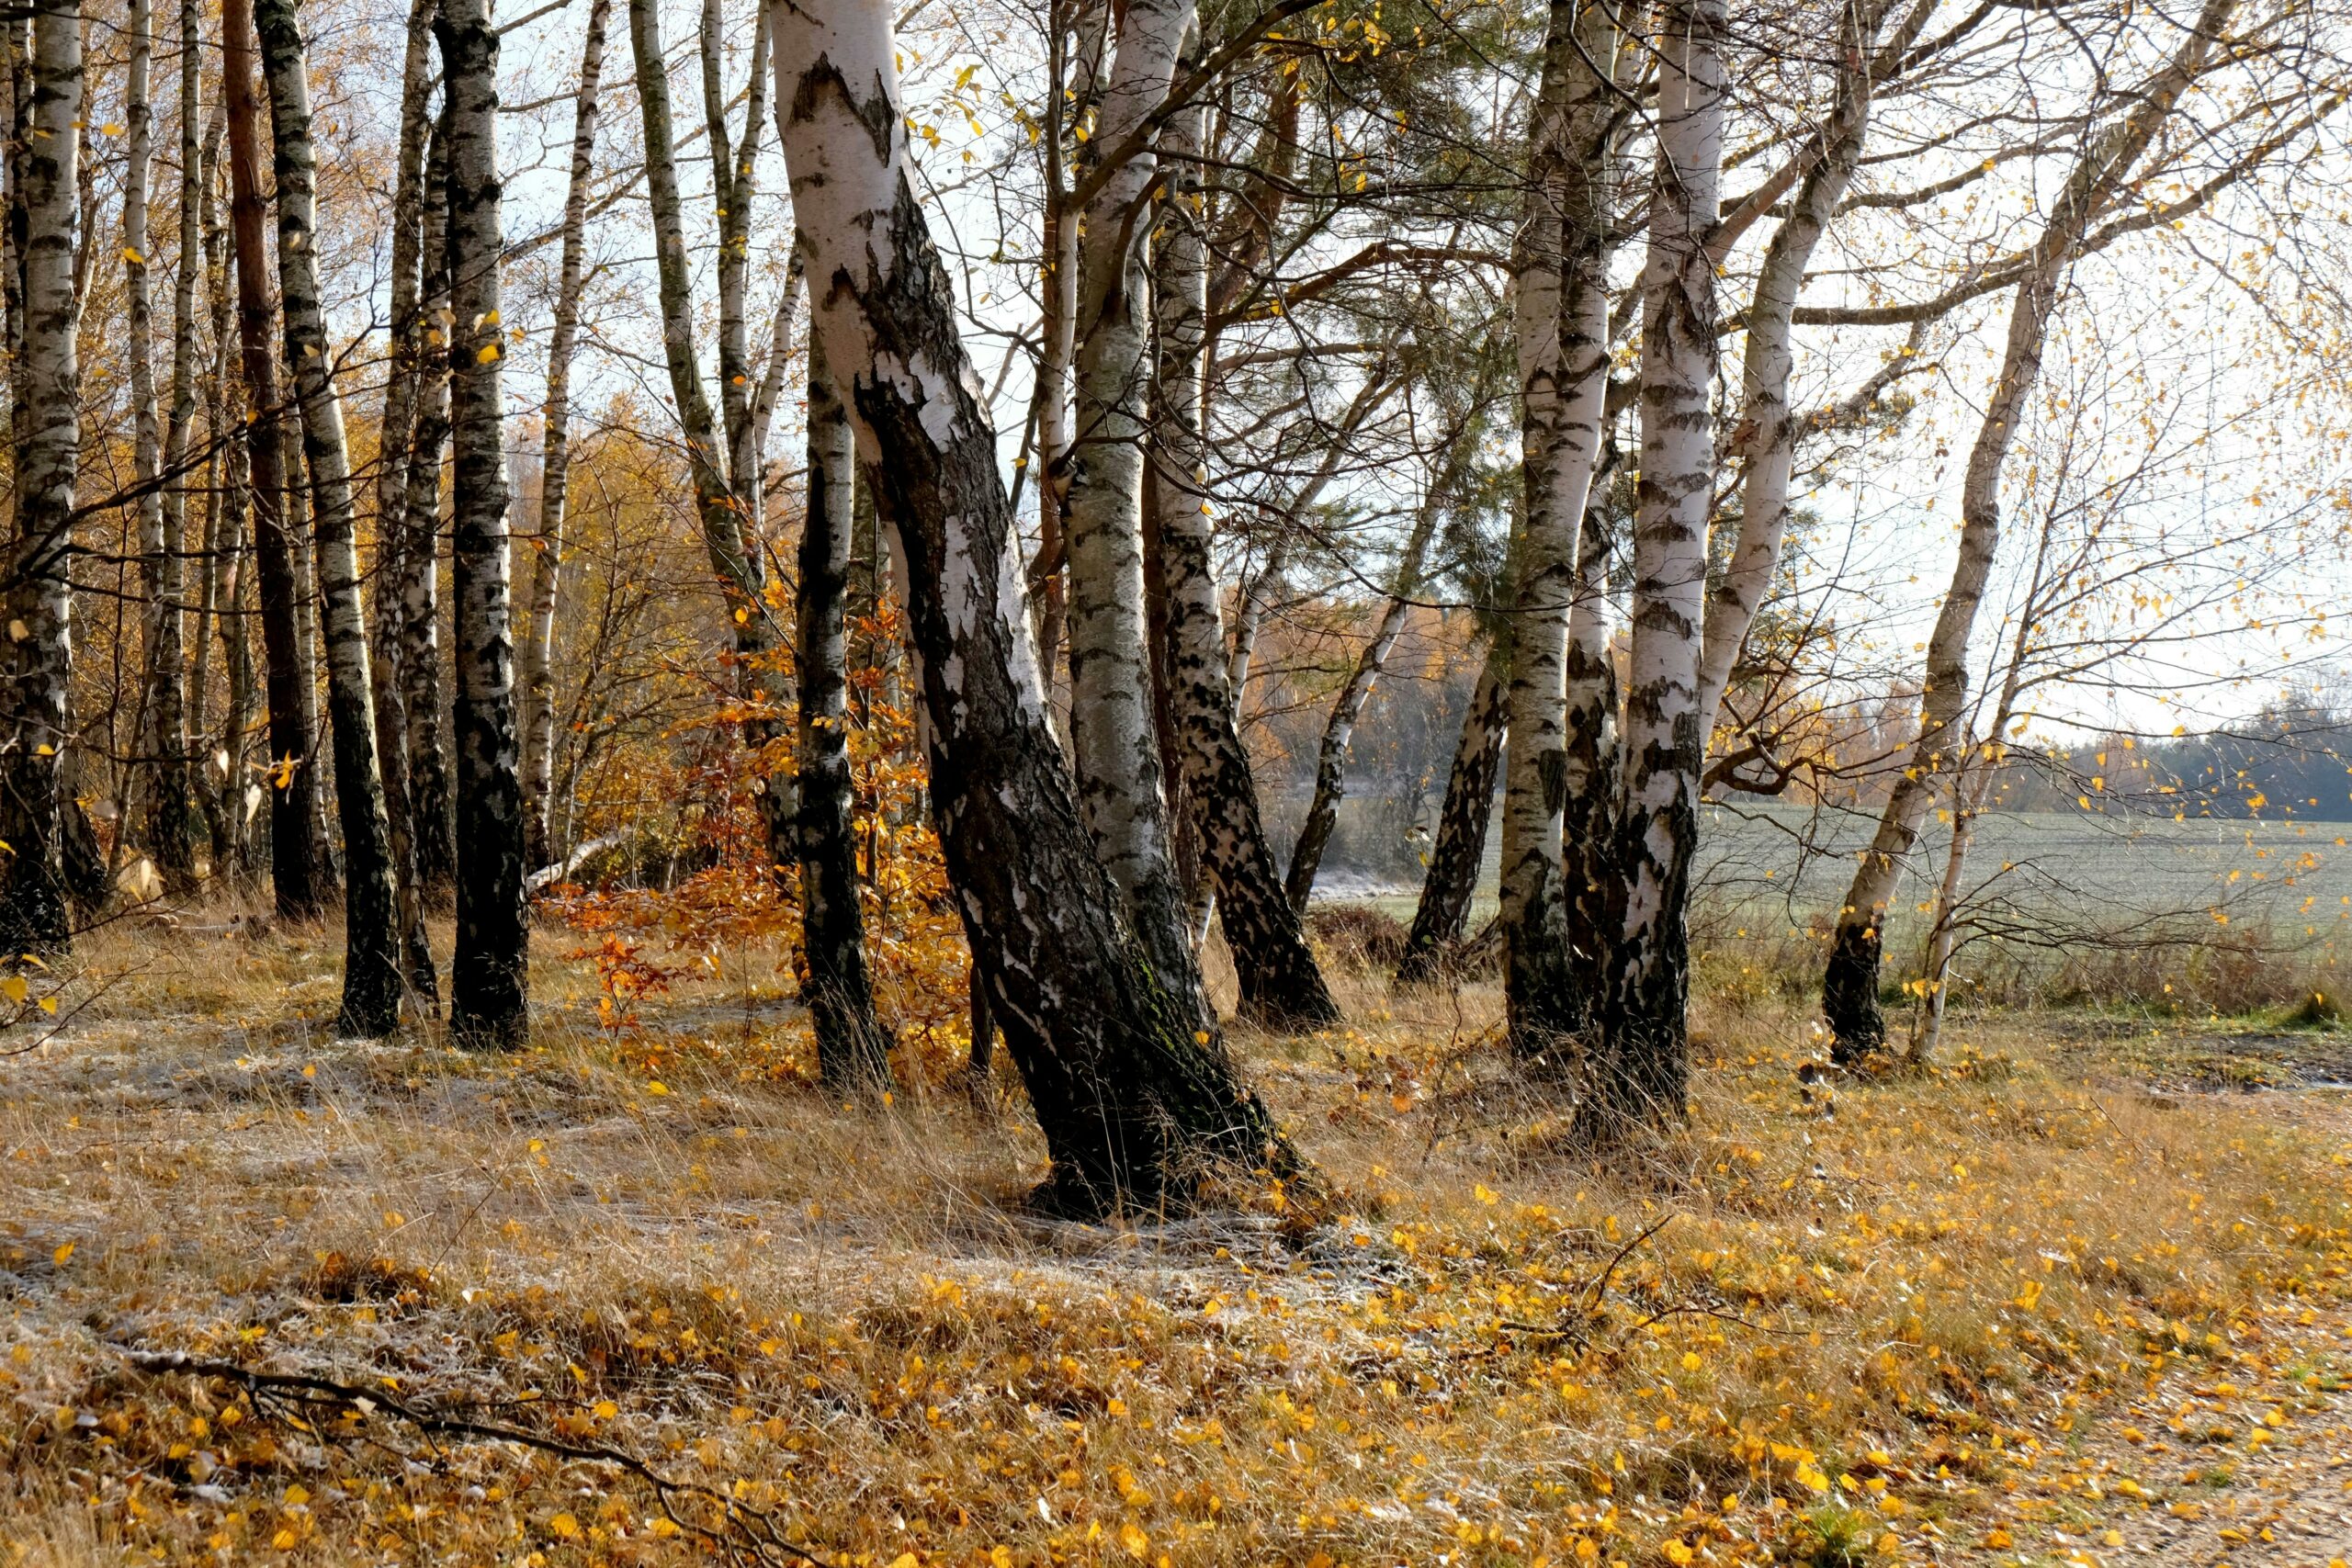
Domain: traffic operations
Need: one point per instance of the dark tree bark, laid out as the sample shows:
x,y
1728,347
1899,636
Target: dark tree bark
x,y
853,1047
398,539
1442,916
293,775
432,823
372,978
1135,1110
34,917
490,970
1280,984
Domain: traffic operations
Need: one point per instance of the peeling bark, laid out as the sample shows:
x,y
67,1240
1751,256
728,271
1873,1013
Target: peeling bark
x,y
1135,1110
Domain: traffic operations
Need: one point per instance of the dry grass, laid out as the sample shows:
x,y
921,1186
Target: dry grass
x,y
1859,1332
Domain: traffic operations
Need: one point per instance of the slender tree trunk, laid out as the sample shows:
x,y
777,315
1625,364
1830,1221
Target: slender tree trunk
x,y
33,912
160,783
398,539
554,473
1590,747
1339,729
228,576
853,1047
1279,983
293,775
1765,439
490,970
733,189
176,696
325,854
1443,913
1114,740
735,559
372,974
1561,312
1850,981
1134,1108
431,822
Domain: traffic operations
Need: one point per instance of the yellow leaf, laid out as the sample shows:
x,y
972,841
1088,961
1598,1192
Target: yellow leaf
x,y
49,1004
133,256
15,989
1485,1195
565,1526
111,127
1135,1542
657,1086
62,1253
489,353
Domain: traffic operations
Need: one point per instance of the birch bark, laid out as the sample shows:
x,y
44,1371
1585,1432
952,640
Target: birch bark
x,y
293,771
546,547
2101,176
853,1047
1114,740
1442,915
1279,982
1135,1110
432,819
34,917
372,978
490,969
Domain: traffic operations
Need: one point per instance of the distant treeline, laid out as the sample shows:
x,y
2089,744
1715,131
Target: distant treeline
x,y
2290,760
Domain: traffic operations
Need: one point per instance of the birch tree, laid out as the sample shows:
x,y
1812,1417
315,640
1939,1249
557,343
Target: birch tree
x,y
1279,982
1115,741
431,816
292,771
490,967
1442,913
555,472
2102,175
34,917
1133,1107
372,930
1560,310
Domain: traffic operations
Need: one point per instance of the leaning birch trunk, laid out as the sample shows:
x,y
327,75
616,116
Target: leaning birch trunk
x,y
396,536
853,1048
547,549
2101,175
721,510
1561,312
734,187
1279,983
431,814
160,785
293,772
1115,741
1135,1108
1766,439
1442,915
34,918
1339,729
490,967
372,978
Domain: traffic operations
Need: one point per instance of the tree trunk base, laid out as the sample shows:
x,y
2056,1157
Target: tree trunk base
x,y
1849,996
